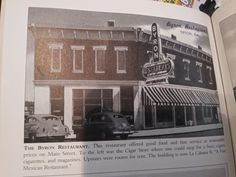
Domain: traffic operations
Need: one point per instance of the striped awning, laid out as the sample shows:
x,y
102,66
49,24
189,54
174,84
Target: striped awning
x,y
177,96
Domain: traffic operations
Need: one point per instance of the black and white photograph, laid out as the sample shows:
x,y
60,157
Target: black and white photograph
x,y
110,76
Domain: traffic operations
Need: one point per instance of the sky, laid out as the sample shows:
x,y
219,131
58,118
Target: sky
x,y
76,19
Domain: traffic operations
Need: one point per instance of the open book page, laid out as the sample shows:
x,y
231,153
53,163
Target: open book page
x,y
111,88
225,31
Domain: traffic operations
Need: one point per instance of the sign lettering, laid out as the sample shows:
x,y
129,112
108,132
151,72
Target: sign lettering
x,y
155,47
159,67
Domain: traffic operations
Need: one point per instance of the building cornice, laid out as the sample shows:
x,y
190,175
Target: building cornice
x,y
86,82
108,33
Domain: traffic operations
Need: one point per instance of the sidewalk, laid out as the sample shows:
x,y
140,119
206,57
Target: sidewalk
x,y
167,131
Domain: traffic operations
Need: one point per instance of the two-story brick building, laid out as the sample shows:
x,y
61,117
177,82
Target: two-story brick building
x,y
85,70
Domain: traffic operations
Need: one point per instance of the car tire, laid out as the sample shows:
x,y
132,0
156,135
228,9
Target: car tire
x,y
32,137
61,138
124,137
79,136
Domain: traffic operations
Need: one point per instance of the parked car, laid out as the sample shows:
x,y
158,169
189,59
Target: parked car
x,y
44,126
103,125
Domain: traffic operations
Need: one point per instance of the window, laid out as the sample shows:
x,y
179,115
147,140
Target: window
x,y
209,74
89,101
99,58
100,118
186,69
55,56
164,114
171,57
78,59
199,71
121,59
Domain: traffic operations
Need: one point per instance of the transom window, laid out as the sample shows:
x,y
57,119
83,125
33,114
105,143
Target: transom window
x,y
121,59
99,58
186,63
78,58
55,56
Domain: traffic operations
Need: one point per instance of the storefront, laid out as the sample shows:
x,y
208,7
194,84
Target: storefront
x,y
162,83
167,106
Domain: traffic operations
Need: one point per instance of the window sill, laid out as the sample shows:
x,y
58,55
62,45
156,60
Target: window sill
x,y
55,71
78,72
121,72
99,72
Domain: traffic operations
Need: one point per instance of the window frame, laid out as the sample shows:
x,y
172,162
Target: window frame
x,y
121,49
209,68
52,47
199,66
187,62
75,48
172,58
96,49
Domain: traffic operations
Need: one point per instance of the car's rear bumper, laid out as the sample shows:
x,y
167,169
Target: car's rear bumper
x,y
123,132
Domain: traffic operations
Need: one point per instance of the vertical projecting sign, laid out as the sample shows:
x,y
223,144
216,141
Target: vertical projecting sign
x,y
159,67
155,42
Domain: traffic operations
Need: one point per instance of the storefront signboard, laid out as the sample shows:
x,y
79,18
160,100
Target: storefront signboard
x,y
159,66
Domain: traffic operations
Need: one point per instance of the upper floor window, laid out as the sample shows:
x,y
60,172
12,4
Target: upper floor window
x,y
186,63
172,57
78,58
99,58
121,59
199,71
210,80
55,48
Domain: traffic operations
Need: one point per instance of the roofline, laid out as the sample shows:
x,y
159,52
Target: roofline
x,y
32,25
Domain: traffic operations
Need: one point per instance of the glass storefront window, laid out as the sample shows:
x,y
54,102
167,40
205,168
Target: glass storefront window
x,y
89,101
179,116
164,116
189,113
199,115
78,107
